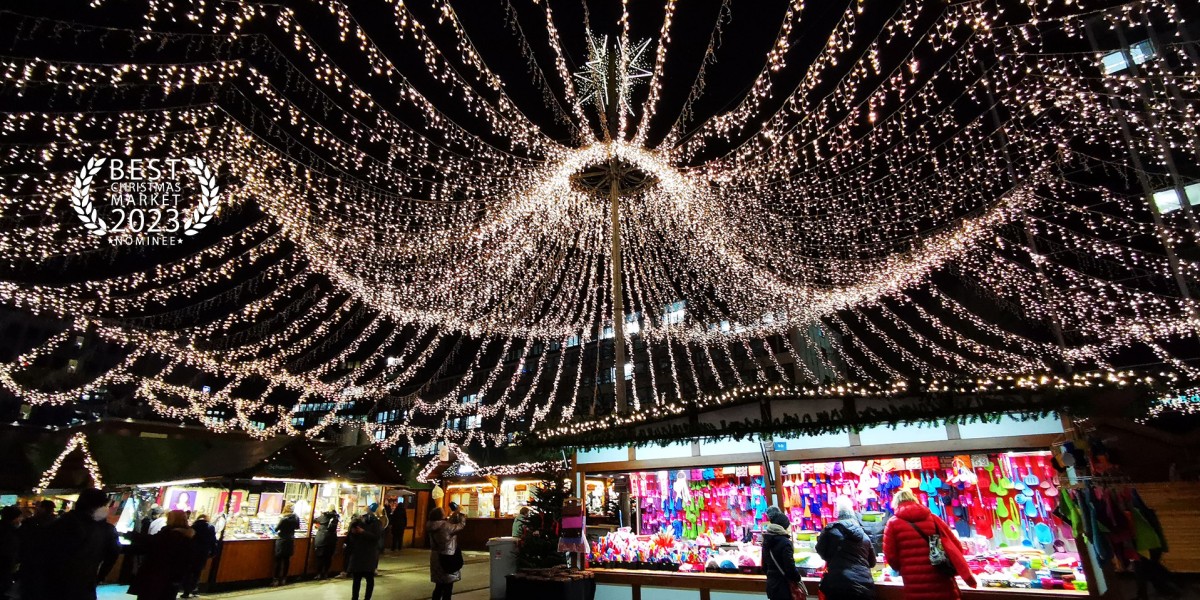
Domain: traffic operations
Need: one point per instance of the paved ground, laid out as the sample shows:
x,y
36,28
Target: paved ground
x,y
404,577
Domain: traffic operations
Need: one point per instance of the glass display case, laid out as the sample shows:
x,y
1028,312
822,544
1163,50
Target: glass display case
x,y
478,500
348,500
515,493
259,511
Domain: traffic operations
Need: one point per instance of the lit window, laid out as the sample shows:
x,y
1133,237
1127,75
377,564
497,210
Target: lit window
x,y
633,324
1114,62
573,341
674,312
612,373
298,421
473,422
393,361
469,399
1167,199
380,435
607,333
723,327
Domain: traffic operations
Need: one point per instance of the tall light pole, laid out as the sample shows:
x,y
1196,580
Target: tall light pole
x,y
606,79
618,301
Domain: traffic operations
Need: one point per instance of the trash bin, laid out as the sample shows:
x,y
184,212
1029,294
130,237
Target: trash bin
x,y
503,553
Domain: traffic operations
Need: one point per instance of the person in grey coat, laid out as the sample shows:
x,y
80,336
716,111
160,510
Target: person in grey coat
x,y
362,542
445,558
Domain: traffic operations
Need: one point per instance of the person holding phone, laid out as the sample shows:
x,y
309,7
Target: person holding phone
x,y
445,557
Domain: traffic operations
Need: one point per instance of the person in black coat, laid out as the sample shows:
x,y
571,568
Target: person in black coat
x,y
363,545
325,541
35,555
285,544
204,547
84,549
10,547
848,556
778,562
169,555
398,523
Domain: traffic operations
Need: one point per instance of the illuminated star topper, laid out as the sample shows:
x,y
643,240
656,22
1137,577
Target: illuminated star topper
x,y
594,80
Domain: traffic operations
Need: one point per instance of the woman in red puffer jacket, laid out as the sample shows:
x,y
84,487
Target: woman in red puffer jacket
x,y
907,551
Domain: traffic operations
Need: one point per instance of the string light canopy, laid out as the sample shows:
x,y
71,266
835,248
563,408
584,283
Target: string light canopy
x,y
888,196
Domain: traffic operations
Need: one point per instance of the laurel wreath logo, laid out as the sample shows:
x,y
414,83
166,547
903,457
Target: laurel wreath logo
x,y
209,191
81,197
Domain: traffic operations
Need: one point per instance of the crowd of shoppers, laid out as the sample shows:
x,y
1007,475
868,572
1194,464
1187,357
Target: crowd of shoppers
x,y
62,555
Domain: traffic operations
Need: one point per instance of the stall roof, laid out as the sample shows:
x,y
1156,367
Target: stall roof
x,y
363,464
124,459
284,457
23,462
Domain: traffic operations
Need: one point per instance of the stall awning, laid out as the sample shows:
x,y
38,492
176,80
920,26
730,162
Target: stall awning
x,y
363,464
284,457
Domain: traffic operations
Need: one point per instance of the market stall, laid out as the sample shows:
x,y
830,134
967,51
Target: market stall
x,y
245,486
362,476
698,517
491,496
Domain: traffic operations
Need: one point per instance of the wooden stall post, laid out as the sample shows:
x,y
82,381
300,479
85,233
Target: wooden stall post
x,y
214,566
312,514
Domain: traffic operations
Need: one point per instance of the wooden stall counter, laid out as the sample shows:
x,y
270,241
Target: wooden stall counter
x,y
623,584
479,530
254,560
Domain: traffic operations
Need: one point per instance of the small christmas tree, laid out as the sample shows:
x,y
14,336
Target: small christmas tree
x,y
539,539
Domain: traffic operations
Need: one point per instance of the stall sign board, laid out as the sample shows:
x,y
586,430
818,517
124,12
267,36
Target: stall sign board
x,y
279,468
780,446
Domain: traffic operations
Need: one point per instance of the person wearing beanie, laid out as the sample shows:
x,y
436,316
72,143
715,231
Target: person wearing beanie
x,y
778,562
776,516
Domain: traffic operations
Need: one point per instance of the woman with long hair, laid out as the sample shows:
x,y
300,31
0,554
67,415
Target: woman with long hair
x,y
169,555
445,557
285,544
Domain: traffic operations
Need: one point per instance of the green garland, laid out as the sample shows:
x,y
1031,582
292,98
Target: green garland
x,y
928,411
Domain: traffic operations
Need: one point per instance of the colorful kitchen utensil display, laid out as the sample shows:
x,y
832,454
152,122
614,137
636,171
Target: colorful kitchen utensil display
x,y
1006,498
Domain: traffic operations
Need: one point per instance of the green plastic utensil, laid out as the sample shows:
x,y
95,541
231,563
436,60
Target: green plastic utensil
x,y
1002,509
995,487
1005,482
